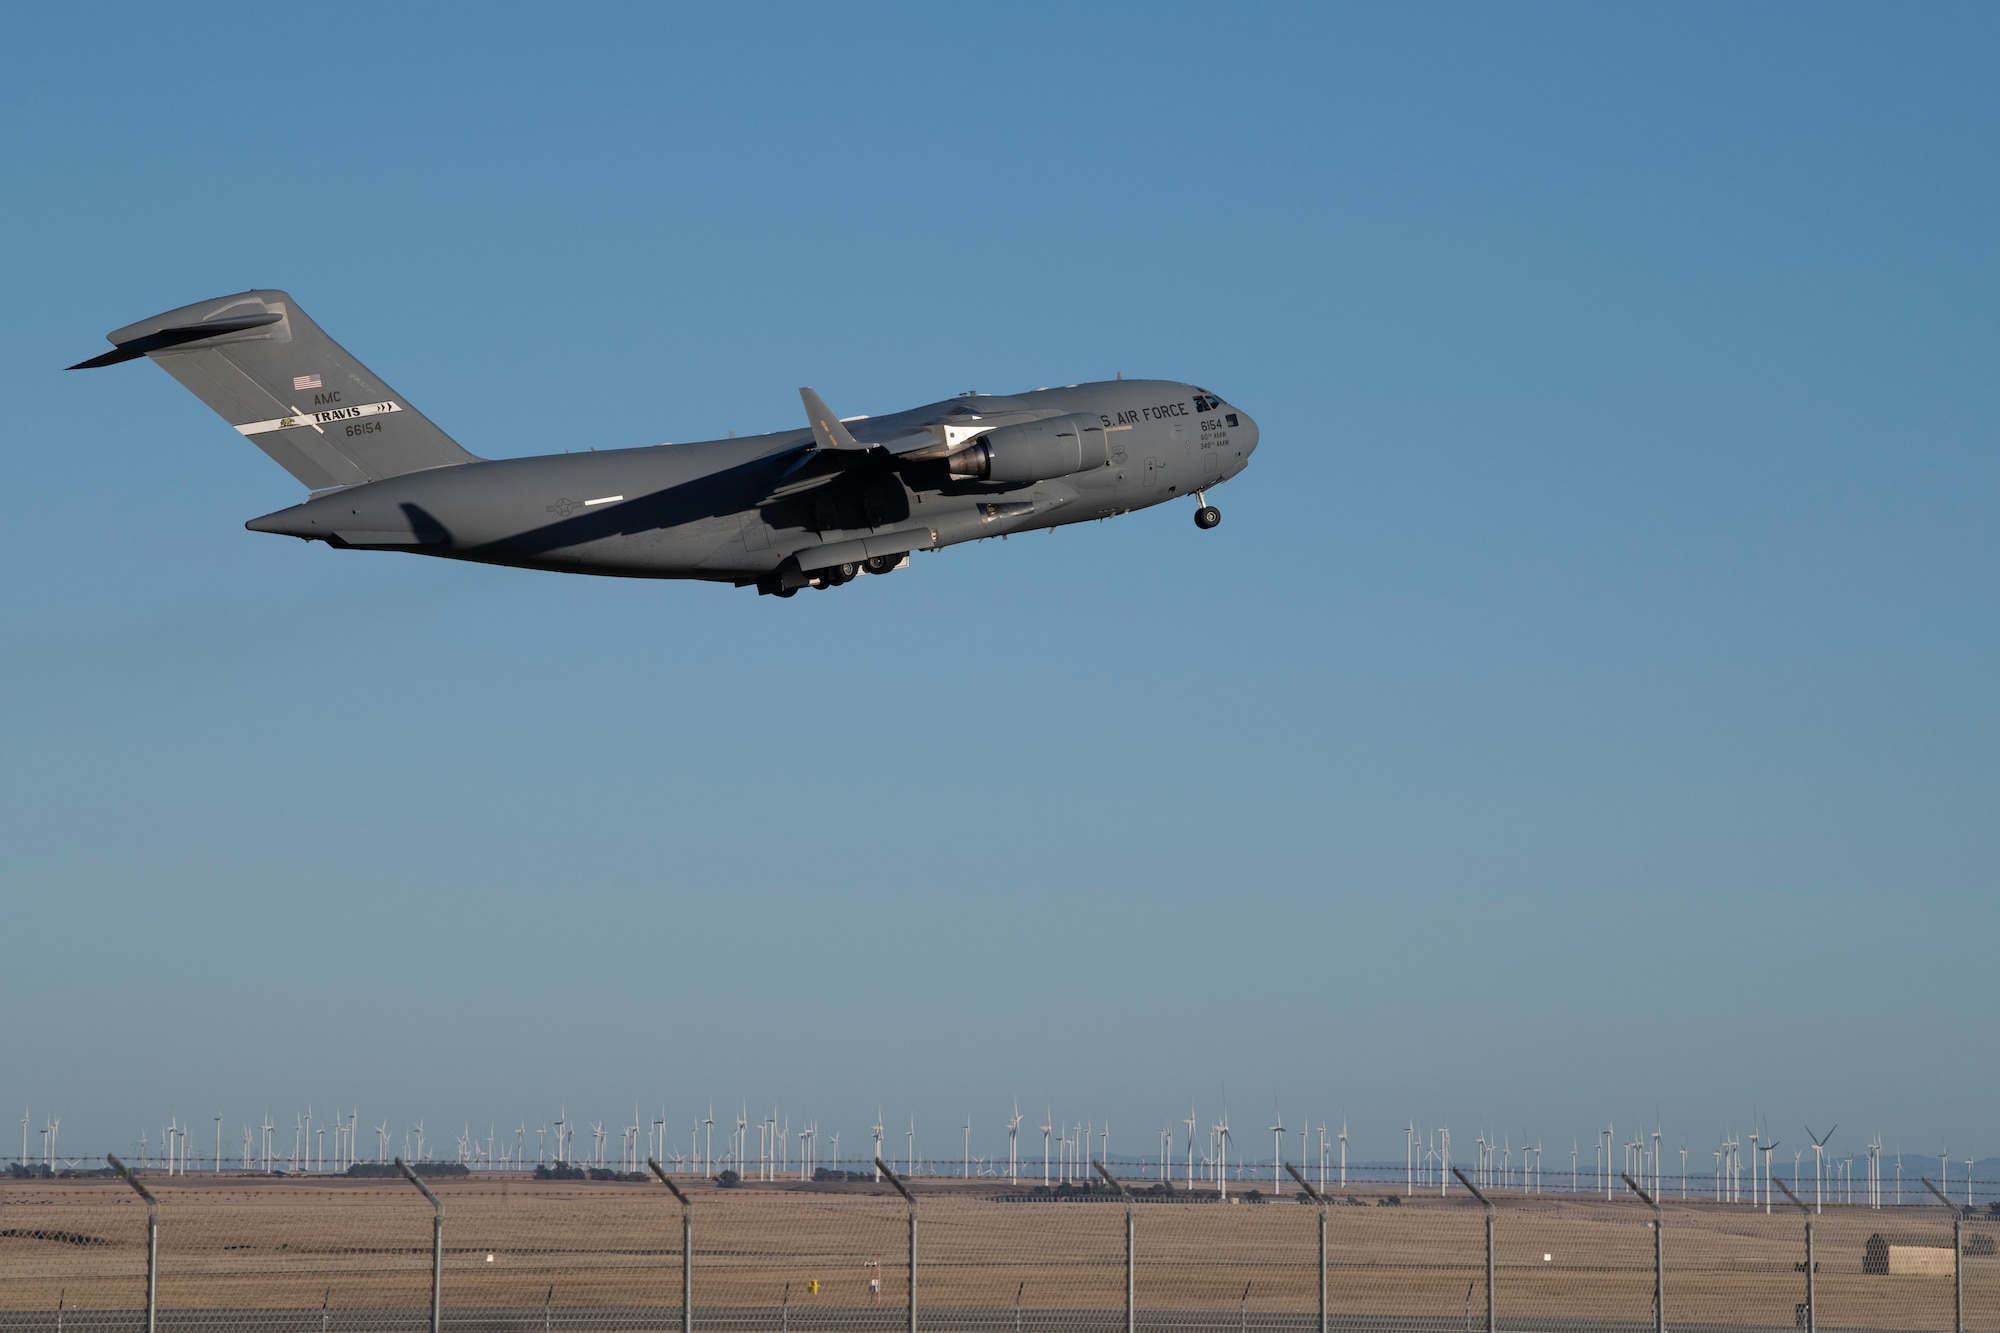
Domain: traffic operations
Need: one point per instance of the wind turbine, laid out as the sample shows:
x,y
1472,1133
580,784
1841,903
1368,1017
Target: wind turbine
x,y
878,1143
1819,1153
1343,1154
1048,1127
1013,1133
1222,1158
1189,1122
1277,1154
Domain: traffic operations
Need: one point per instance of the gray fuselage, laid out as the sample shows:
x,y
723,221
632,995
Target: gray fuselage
x,y
737,510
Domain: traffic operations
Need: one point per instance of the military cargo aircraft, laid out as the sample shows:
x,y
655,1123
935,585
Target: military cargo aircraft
x,y
806,508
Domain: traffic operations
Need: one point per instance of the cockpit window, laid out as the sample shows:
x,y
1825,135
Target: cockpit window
x,y
1204,401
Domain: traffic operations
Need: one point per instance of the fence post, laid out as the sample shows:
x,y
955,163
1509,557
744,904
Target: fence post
x,y
1812,1264
1489,1243
903,1190
437,1246
1957,1258
1659,1256
1319,1199
1131,1286
152,1244
687,1248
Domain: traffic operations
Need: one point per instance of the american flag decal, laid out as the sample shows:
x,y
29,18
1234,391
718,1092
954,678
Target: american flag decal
x,y
300,382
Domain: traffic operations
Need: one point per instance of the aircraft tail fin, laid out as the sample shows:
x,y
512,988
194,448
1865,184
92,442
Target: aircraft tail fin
x,y
268,370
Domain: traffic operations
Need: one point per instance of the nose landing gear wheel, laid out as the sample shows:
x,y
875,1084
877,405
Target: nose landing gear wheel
x,y
1207,517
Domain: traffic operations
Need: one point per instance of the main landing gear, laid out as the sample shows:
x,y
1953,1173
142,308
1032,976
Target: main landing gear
x,y
788,578
1208,515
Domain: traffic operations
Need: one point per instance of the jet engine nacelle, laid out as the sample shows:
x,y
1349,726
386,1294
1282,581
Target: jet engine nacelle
x,y
1033,451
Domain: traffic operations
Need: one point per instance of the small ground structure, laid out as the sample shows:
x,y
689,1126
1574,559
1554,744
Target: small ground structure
x,y
1920,1256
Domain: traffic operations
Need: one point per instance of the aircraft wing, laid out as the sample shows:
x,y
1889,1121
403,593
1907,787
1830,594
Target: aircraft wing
x,y
834,452
937,440
942,439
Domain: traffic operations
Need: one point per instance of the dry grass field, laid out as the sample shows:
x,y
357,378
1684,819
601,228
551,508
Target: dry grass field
x,y
260,1243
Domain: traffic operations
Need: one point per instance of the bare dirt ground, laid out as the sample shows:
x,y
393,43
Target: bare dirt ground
x,y
251,1242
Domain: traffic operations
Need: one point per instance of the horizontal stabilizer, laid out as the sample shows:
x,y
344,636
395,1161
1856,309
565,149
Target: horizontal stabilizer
x,y
828,433
186,333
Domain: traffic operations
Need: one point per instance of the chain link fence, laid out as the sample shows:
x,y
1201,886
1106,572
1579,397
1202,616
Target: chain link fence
x,y
522,1255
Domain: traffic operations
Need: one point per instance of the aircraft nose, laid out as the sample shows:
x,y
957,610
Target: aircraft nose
x,y
1243,434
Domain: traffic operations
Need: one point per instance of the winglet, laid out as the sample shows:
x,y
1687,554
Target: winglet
x,y
828,433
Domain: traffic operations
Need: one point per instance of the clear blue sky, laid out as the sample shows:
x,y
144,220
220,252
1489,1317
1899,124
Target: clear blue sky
x,y
1586,708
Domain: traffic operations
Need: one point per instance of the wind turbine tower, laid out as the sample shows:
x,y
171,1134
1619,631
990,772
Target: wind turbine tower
x,y
1222,1155
1819,1154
